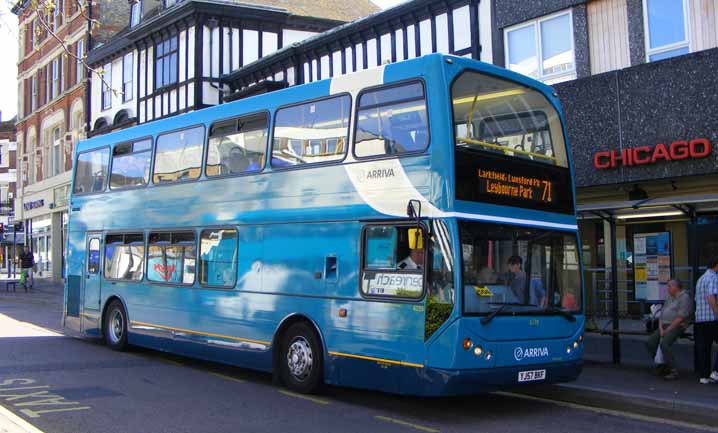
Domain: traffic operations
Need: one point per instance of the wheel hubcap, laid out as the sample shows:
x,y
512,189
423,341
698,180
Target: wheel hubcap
x,y
117,328
300,359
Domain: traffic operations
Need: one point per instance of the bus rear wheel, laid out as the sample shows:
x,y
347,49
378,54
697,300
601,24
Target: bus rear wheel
x,y
301,359
115,326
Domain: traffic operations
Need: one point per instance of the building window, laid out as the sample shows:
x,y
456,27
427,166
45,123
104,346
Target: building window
x,y
666,28
58,164
80,53
107,87
56,78
57,15
33,93
127,63
179,155
166,54
135,14
543,48
33,34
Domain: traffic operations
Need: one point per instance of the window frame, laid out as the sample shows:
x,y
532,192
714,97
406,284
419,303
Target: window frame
x,y
106,87
112,160
270,142
267,145
236,258
201,162
127,96
362,262
666,48
147,256
56,78
536,23
107,178
144,255
165,55
389,86
100,266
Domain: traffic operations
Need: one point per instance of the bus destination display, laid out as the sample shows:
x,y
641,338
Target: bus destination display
x,y
504,184
511,181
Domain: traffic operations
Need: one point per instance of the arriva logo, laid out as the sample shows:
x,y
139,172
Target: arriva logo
x,y
532,352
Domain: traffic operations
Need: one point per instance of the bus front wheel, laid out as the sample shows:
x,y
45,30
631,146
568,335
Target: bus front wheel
x,y
115,326
301,359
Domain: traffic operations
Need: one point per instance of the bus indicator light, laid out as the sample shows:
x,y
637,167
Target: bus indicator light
x,y
342,312
468,344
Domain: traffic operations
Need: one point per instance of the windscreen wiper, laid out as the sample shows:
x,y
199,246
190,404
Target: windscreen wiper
x,y
486,320
567,314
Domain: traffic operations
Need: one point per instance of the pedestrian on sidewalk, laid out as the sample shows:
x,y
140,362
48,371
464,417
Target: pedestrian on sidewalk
x,y
706,327
672,322
27,261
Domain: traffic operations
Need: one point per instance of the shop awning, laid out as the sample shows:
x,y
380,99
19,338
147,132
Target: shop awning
x,y
684,203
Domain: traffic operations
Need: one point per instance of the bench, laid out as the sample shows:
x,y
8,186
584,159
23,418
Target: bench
x,y
13,283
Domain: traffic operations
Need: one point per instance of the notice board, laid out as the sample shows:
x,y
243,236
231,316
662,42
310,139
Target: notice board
x,y
652,264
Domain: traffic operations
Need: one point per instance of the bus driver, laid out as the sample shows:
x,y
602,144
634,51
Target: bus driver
x,y
415,260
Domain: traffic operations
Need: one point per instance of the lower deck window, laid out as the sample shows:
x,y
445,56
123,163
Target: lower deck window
x,y
124,256
217,258
171,257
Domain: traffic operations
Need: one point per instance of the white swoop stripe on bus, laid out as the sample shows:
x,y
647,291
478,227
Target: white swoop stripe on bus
x,y
492,218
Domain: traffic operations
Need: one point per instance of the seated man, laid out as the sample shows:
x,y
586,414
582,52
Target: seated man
x,y
673,320
415,260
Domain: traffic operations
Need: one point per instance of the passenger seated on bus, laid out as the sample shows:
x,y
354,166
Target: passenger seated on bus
x,y
235,162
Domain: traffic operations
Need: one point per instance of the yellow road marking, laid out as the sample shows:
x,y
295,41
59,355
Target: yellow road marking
x,y
205,334
224,376
21,424
407,424
304,397
612,412
371,358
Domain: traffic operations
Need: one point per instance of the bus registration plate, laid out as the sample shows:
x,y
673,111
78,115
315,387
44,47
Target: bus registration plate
x,y
529,376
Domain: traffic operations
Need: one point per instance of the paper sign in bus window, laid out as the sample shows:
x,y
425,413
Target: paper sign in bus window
x,y
392,284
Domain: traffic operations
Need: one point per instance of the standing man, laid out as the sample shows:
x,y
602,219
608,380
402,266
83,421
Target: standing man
x,y
672,322
516,278
706,326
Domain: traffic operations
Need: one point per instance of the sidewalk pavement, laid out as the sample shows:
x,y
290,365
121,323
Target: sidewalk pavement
x,y
631,386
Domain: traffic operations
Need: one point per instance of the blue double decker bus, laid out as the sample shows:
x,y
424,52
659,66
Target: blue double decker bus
x,y
408,228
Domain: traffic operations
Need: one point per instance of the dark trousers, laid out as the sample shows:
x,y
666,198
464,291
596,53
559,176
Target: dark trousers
x,y
665,343
705,334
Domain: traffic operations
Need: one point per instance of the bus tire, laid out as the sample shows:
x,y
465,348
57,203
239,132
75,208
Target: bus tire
x,y
301,359
115,326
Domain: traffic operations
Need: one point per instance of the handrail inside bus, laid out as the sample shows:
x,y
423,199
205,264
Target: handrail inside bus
x,y
506,149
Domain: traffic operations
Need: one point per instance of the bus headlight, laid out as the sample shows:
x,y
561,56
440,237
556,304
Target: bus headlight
x,y
478,351
568,350
488,355
575,344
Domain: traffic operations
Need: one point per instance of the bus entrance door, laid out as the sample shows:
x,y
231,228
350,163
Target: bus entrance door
x,y
91,284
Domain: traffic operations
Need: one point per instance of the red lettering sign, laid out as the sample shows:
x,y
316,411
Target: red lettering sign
x,y
642,155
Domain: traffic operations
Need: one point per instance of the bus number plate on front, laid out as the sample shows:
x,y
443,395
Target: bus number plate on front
x,y
529,376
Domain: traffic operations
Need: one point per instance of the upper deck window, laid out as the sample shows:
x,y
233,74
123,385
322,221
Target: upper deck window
x,y
91,171
131,164
237,146
392,120
500,116
179,155
311,133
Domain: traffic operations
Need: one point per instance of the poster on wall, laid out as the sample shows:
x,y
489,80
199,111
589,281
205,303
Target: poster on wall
x,y
651,265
